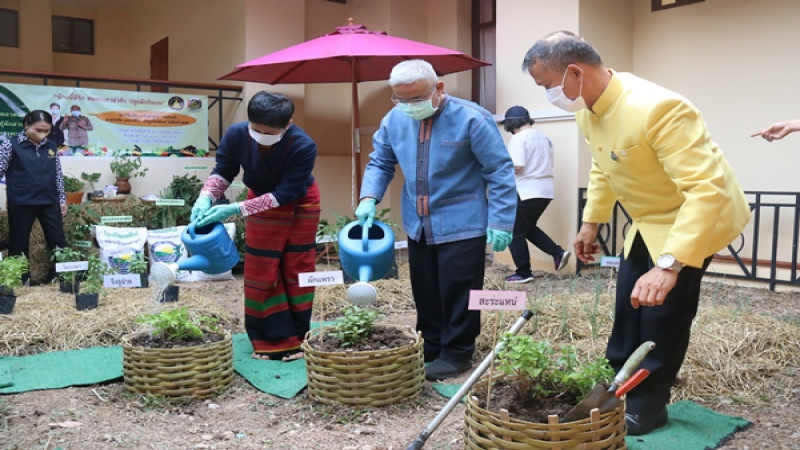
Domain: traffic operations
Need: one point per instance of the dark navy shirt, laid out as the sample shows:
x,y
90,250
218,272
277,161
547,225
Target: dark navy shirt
x,y
284,169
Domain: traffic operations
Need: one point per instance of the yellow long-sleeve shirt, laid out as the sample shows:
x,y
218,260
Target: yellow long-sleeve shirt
x,y
651,151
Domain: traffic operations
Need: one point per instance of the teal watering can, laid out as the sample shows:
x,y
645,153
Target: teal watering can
x,y
211,251
366,254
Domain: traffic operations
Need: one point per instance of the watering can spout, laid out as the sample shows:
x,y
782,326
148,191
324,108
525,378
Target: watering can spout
x,y
195,262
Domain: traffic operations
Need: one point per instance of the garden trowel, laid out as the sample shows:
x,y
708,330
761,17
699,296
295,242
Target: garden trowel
x,y
600,395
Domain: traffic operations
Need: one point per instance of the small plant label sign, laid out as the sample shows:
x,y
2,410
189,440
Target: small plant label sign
x,y
170,202
610,261
116,219
399,245
82,244
72,266
122,281
497,299
328,278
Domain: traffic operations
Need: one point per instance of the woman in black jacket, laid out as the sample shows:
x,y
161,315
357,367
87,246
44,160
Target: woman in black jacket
x,y
34,184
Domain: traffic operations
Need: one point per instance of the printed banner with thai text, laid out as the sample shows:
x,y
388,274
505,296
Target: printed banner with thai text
x,y
102,122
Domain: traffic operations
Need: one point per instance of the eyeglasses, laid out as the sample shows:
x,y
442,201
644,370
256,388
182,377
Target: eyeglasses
x,y
398,101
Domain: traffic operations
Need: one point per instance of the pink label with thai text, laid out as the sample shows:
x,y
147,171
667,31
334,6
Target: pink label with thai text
x,y
497,300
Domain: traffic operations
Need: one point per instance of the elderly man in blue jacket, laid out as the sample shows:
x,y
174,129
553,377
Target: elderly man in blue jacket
x,y
458,195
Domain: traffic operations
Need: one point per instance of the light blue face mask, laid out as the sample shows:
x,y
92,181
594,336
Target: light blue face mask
x,y
418,110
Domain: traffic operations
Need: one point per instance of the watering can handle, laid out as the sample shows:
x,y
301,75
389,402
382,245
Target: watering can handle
x,y
191,230
365,238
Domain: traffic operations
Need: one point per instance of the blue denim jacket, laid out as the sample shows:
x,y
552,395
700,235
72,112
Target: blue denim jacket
x,y
459,178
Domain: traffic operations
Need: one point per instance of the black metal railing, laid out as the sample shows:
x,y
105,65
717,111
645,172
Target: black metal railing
x,y
767,249
217,94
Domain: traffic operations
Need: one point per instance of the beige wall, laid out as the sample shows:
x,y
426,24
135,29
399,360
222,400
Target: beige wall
x,y
734,59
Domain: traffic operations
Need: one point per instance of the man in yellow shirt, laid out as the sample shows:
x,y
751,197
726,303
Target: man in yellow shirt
x,y
651,151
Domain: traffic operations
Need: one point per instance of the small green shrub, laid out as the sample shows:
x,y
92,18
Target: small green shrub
x,y
127,167
11,270
93,282
138,264
355,325
176,324
66,254
72,184
541,371
90,178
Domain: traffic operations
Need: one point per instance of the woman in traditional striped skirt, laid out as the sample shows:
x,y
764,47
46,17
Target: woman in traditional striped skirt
x,y
282,212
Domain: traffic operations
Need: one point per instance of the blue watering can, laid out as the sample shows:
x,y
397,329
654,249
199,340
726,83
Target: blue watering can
x,y
366,254
211,250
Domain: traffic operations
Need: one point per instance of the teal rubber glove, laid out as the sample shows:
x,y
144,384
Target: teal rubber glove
x,y
366,212
498,239
201,205
218,214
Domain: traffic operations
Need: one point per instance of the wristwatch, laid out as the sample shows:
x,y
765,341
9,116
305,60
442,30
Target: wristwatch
x,y
668,262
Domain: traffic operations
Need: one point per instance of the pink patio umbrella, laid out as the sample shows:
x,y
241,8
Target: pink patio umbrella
x,y
350,54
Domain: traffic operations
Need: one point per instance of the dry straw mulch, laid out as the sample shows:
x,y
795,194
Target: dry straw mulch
x,y
734,354
45,319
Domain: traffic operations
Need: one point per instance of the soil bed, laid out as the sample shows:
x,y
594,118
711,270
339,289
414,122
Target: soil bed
x,y
535,410
147,340
382,337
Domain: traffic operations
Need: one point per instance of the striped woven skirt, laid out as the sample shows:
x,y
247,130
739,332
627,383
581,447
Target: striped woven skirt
x,y
280,243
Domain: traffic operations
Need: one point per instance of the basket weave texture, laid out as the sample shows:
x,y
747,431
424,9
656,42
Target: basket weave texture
x,y
197,371
368,378
485,429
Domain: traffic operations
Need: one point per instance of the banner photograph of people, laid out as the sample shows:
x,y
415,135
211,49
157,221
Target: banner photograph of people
x,y
102,122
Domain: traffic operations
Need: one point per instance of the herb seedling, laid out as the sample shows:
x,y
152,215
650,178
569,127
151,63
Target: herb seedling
x,y
355,325
541,371
176,324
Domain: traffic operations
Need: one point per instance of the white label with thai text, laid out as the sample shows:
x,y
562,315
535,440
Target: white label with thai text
x,y
320,278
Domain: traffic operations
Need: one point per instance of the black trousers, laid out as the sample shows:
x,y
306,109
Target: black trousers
x,y
20,223
668,325
442,276
525,229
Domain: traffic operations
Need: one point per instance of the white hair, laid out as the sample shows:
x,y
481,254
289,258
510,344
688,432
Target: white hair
x,y
411,71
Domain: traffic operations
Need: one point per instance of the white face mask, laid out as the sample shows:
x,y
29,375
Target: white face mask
x,y
265,139
556,96
418,110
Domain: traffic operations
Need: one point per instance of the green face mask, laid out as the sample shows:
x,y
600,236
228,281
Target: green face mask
x,y
418,110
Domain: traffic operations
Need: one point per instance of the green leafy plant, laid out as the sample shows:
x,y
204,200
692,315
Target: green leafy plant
x,y
93,281
72,184
90,178
355,325
177,324
127,167
541,371
67,254
184,187
138,264
11,270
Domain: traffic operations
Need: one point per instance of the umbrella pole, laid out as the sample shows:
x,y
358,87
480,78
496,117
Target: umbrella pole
x,y
356,137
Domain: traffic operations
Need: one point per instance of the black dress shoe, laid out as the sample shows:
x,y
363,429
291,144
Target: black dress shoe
x,y
430,356
638,424
441,369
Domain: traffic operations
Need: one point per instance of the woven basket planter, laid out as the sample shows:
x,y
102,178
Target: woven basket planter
x,y
369,378
485,429
198,371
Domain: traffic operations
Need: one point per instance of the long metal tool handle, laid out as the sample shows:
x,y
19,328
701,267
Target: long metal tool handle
x,y
419,442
